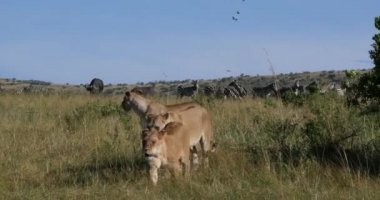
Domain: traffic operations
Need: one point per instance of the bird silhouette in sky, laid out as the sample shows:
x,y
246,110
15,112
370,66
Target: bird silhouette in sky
x,y
237,13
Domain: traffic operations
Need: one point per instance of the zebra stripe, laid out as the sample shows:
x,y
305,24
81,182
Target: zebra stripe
x,y
234,91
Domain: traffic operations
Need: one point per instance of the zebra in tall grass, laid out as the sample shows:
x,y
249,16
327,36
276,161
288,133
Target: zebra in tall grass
x,y
219,92
230,92
296,89
235,91
188,91
333,87
240,89
214,91
267,91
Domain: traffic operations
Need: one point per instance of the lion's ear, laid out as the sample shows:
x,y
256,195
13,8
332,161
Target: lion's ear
x,y
171,127
127,93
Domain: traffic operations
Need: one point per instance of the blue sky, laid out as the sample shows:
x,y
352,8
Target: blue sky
x,y
124,41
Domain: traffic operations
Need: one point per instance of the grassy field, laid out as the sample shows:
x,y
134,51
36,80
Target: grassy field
x,y
78,146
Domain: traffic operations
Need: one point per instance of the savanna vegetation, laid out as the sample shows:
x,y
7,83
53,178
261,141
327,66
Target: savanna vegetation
x,y
367,86
82,146
71,145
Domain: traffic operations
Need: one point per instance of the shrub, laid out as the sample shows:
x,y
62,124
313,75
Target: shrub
x,y
368,86
291,98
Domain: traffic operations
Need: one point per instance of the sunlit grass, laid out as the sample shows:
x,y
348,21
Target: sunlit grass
x,y
84,146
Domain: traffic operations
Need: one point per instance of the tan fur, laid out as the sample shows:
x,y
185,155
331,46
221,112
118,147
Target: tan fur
x,y
167,148
160,121
190,114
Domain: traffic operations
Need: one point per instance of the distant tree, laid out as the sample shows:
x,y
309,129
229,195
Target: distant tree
x,y
368,85
375,53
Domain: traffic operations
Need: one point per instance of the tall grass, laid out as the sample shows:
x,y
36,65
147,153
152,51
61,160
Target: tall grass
x,y
82,146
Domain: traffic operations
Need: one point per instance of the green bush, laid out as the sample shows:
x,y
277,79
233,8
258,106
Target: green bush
x,y
291,98
368,86
286,141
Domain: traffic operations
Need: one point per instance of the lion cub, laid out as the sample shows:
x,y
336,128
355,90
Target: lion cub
x,y
167,148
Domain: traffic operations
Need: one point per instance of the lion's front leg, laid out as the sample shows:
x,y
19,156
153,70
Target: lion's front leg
x,y
154,165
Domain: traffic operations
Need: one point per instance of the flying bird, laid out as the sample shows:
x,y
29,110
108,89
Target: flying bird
x,y
234,18
237,12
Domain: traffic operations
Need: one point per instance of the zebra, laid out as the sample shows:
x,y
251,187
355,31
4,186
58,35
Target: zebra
x,y
227,92
219,93
209,91
188,91
240,89
296,89
267,91
96,86
231,92
234,91
334,87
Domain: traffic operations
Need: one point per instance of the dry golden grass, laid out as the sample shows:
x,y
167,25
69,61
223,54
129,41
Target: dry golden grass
x,y
85,147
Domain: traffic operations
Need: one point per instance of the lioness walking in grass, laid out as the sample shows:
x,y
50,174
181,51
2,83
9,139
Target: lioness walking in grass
x,y
192,115
167,148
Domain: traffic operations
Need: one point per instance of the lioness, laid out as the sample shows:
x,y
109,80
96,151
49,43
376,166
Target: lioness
x,y
143,107
160,121
167,148
192,115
